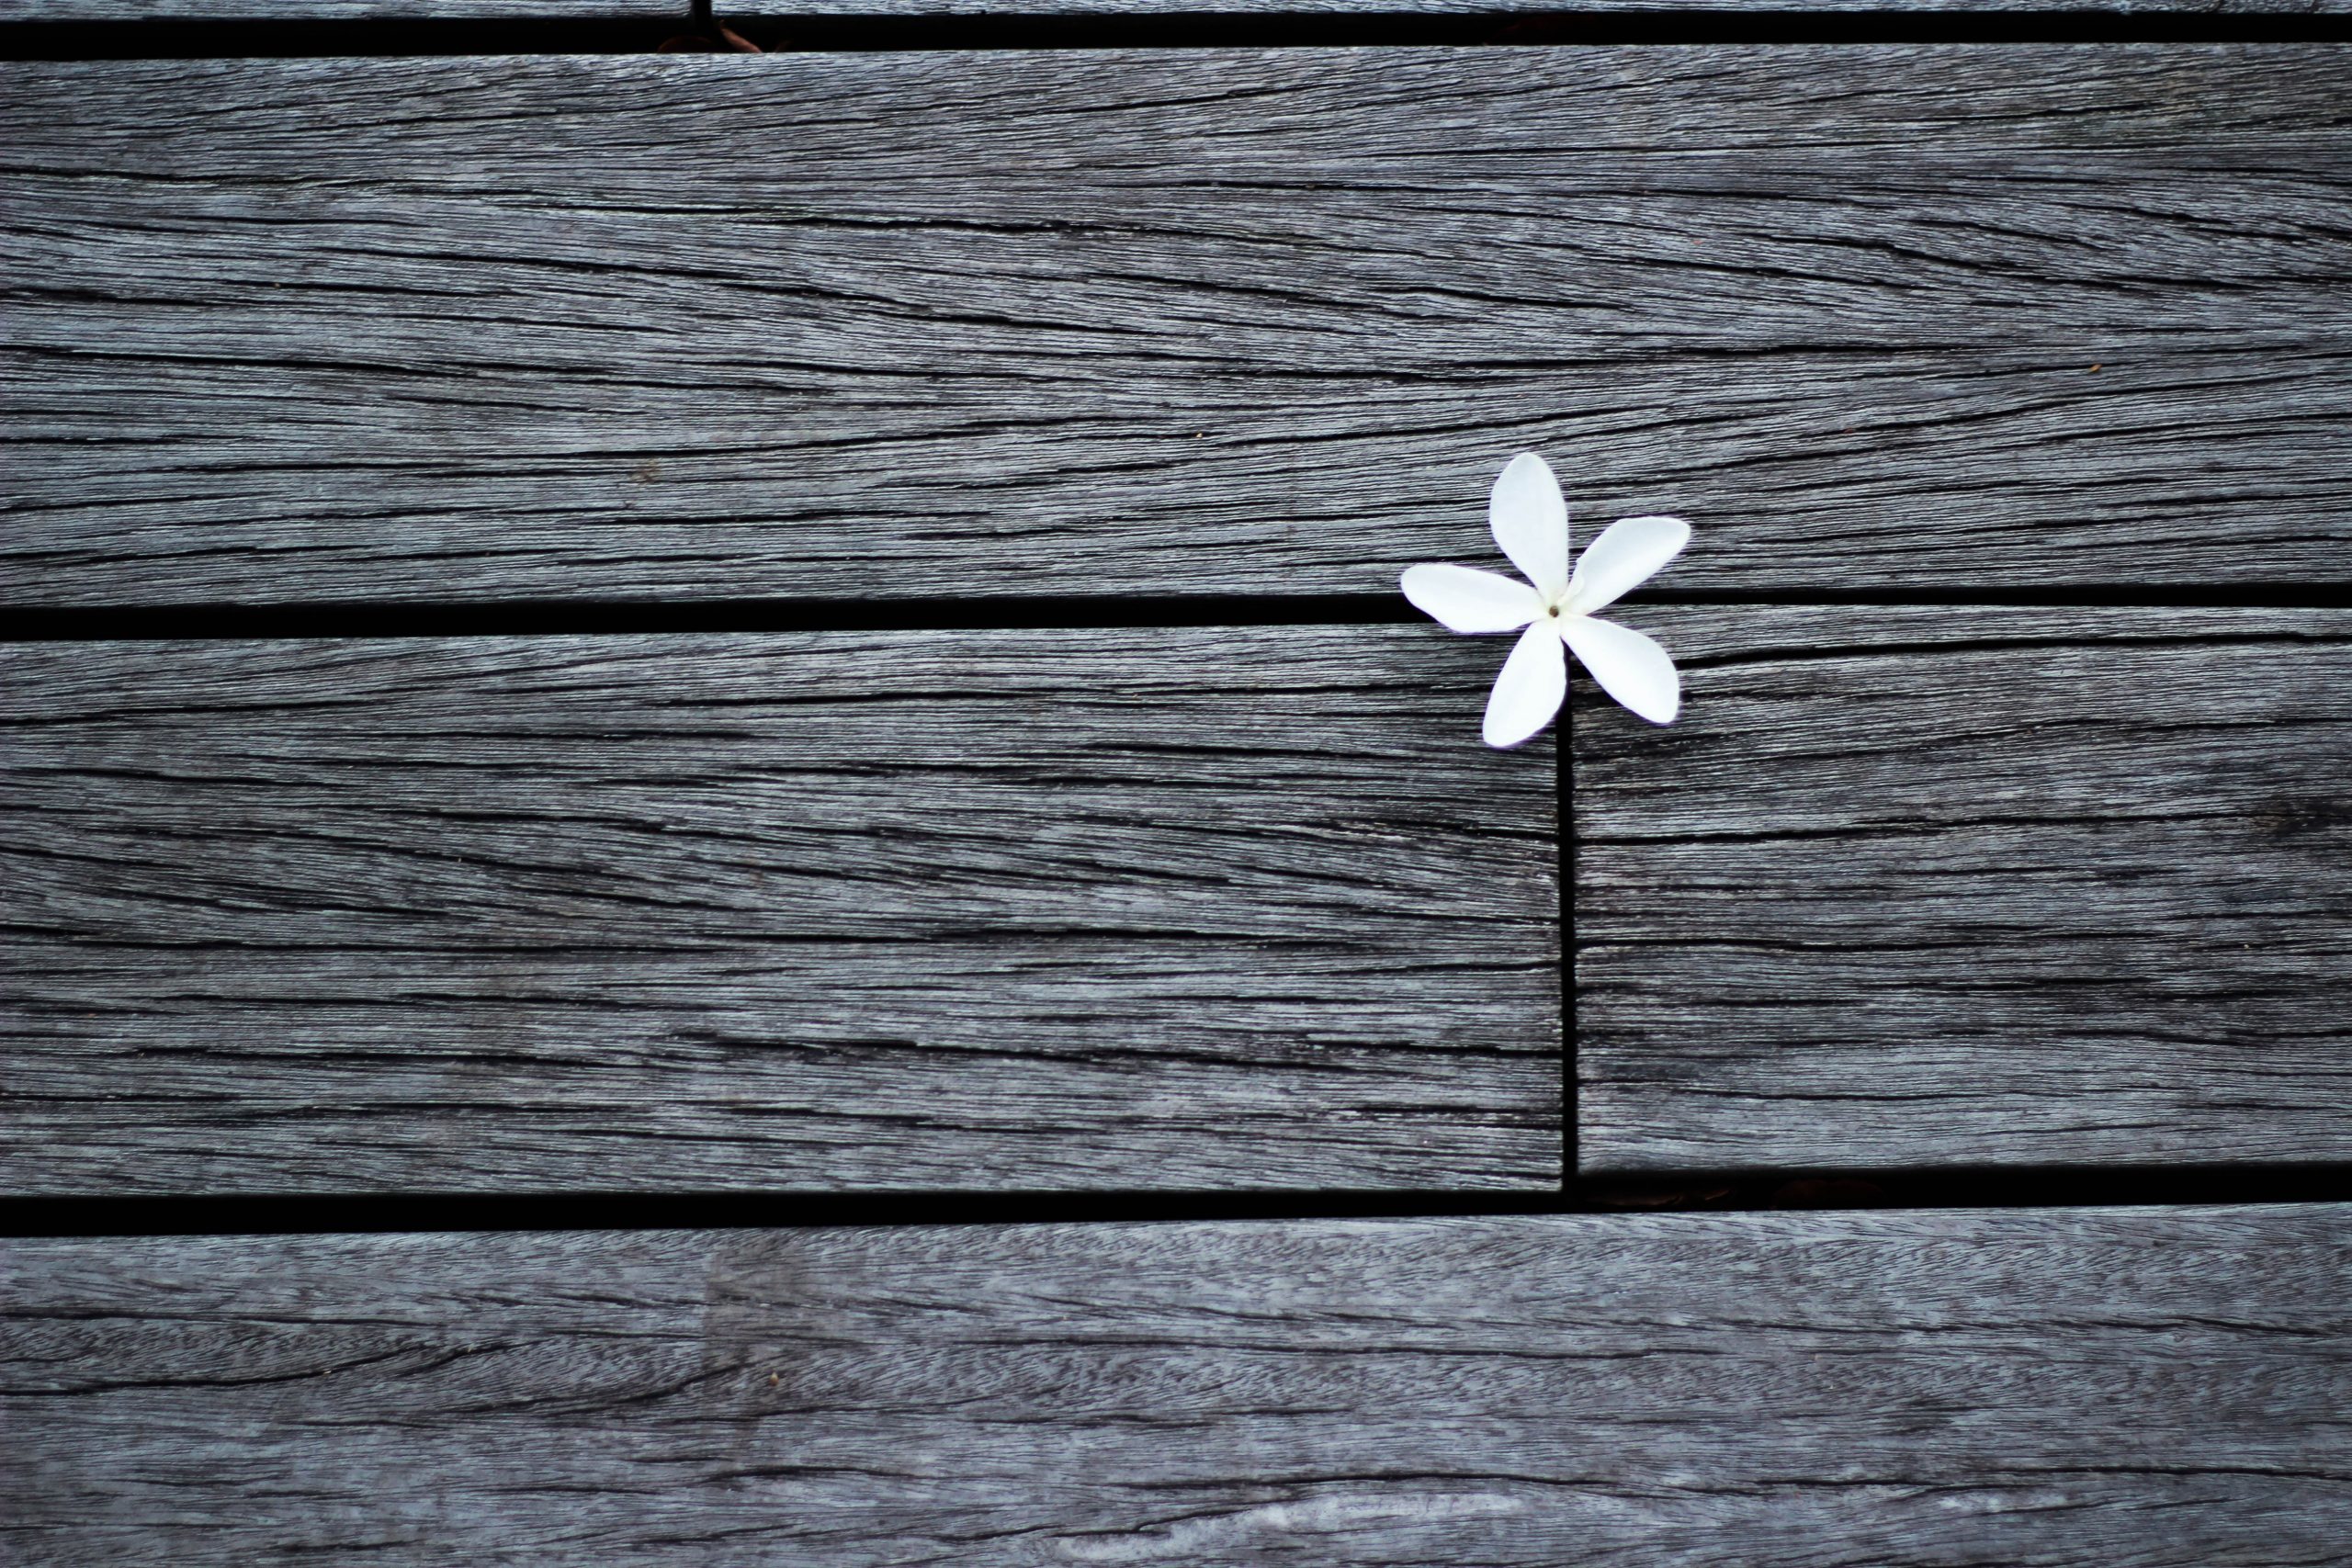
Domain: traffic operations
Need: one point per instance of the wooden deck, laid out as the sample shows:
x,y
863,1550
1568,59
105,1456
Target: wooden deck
x,y
720,842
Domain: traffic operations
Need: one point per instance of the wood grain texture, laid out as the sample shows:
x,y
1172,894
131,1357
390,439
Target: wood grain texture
x,y
2122,1386
1159,908
850,326
1963,886
340,10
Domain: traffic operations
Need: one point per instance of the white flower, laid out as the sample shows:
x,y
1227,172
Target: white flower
x,y
1531,524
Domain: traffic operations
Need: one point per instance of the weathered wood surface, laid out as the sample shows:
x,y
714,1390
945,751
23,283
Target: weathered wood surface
x,y
1958,886
1117,908
340,10
2141,1386
1169,321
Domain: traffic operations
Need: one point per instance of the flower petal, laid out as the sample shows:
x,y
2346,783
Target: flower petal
x,y
1628,551
1465,600
1629,666
1534,682
1531,522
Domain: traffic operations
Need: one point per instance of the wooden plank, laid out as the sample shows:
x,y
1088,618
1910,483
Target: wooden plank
x,y
1158,322
85,11
1971,886
2145,1386
1146,908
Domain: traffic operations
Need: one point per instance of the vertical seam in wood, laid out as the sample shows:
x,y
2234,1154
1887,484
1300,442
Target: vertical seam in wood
x,y
1564,810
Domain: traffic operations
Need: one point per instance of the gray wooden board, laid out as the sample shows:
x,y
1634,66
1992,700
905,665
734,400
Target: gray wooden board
x,y
341,11
1118,908
1971,885
873,325
2078,1387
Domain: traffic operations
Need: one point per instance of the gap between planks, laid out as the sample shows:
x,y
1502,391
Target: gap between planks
x,y
528,617
2043,1188
866,27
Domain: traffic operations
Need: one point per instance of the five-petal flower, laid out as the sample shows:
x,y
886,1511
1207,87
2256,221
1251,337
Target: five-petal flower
x,y
1531,524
